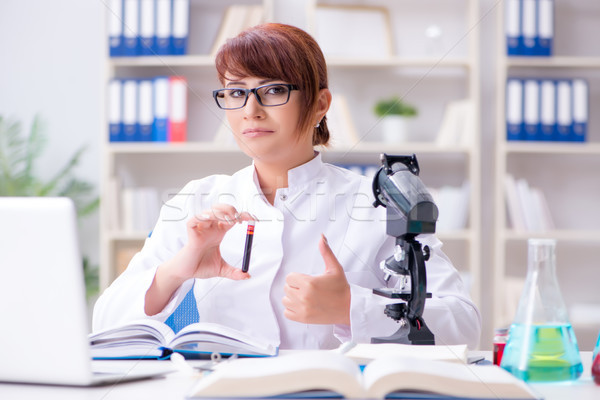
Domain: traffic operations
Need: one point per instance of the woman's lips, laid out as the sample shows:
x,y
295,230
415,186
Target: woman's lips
x,y
256,132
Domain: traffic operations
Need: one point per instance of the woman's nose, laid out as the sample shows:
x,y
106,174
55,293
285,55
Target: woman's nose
x,y
253,107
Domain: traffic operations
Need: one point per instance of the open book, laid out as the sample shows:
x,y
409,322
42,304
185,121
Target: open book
x,y
327,373
364,353
153,339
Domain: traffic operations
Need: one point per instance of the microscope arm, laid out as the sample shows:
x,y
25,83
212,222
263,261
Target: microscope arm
x,y
418,281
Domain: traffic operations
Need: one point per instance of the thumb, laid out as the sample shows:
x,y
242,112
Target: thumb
x,y
332,265
236,274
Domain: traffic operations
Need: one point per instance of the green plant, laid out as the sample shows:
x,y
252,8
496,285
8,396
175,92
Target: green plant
x,y
18,155
394,106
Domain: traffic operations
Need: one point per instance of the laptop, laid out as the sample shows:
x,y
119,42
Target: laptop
x,y
43,311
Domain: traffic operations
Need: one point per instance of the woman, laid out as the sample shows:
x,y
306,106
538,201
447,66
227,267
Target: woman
x,y
318,240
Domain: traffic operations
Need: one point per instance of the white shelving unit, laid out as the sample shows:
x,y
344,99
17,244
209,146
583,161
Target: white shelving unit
x,y
429,81
565,172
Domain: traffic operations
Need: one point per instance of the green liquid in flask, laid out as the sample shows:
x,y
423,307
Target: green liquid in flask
x,y
542,353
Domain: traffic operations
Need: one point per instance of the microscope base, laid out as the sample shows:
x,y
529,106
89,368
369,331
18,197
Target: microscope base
x,y
408,334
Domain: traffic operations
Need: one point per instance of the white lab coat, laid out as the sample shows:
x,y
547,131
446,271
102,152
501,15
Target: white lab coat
x,y
320,198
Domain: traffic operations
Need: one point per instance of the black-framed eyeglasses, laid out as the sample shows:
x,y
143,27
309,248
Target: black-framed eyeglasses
x,y
271,95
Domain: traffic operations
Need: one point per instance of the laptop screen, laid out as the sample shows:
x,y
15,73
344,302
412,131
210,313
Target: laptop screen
x,y
42,293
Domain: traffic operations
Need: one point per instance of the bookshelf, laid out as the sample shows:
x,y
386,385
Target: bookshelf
x,y
563,171
429,79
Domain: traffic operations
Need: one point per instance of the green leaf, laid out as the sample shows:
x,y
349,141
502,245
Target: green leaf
x,y
18,157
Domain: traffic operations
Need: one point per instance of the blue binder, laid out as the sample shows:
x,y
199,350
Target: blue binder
x,y
160,102
580,110
115,27
545,27
514,109
145,110
512,27
130,123
531,109
115,109
131,28
564,110
180,27
163,27
529,27
547,109
147,23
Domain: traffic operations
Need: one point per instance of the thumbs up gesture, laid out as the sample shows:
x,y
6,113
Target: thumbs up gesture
x,y
321,299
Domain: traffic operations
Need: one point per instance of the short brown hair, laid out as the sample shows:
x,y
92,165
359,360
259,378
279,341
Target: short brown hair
x,y
279,51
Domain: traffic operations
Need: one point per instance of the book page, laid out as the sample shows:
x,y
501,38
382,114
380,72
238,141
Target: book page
x,y
387,375
286,374
363,353
202,337
142,338
150,329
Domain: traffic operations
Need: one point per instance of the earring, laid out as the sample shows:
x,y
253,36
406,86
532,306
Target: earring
x,y
318,124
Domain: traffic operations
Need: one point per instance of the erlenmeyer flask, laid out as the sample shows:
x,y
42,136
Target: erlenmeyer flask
x,y
541,344
596,349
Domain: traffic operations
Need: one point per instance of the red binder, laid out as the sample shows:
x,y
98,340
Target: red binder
x,y
177,109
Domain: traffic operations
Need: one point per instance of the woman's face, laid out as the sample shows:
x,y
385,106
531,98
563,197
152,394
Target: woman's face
x,y
268,134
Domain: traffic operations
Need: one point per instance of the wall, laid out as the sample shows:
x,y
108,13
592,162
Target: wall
x,y
52,65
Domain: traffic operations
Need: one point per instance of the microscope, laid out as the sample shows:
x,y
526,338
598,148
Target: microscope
x,y
410,212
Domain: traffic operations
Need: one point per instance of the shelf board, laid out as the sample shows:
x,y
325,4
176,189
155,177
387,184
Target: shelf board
x,y
454,236
172,148
553,62
210,147
209,61
553,148
164,61
426,62
390,148
563,235
119,236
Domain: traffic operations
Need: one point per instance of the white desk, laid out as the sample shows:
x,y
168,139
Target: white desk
x,y
177,385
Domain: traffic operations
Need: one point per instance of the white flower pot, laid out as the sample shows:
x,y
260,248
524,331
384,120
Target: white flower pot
x,y
394,129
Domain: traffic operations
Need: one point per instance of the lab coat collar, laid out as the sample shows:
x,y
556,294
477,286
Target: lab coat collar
x,y
299,176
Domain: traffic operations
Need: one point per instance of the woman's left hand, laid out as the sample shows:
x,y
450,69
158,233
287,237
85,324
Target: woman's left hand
x,y
321,299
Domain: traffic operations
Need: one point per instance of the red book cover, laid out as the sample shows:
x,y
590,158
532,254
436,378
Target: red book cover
x,y
177,109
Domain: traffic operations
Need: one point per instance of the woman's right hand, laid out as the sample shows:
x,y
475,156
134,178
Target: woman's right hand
x,y
199,258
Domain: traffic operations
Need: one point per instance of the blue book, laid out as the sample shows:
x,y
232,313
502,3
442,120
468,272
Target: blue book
x,y
163,27
531,110
528,27
545,27
147,35
131,28
160,106
512,27
130,104
115,28
564,110
547,109
115,122
514,109
580,110
180,26
145,116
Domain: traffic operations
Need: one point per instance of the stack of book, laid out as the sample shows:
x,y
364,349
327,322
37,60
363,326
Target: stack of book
x,y
527,207
143,110
148,27
453,206
547,109
529,27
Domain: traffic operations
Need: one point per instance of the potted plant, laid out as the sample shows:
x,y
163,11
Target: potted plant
x,y
394,114
18,155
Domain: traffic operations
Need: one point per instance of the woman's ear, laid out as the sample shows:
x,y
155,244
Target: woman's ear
x,y
323,103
